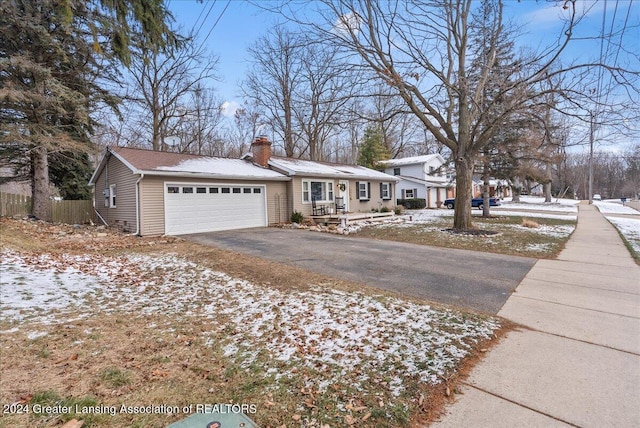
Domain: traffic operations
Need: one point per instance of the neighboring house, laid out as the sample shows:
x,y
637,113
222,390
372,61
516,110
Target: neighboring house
x,y
14,187
155,193
420,177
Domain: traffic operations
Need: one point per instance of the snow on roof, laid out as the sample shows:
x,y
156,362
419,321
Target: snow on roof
x,y
411,160
323,169
441,183
221,167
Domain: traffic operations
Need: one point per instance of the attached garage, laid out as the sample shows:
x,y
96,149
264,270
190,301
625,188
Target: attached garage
x,y
195,208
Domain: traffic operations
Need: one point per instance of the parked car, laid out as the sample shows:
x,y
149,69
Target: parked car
x,y
475,203
597,197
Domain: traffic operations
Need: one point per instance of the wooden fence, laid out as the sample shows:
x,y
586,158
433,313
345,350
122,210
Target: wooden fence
x,y
70,212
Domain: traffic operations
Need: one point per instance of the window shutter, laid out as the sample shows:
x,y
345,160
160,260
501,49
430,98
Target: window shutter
x,y
403,192
381,196
358,190
368,190
415,193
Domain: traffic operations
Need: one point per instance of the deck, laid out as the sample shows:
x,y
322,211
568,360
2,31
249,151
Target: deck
x,y
351,217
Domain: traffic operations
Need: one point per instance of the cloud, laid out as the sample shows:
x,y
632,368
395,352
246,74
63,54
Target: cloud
x,y
229,108
348,23
555,14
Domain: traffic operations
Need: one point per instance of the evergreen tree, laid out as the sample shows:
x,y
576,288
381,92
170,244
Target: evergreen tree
x,y
56,58
372,149
70,172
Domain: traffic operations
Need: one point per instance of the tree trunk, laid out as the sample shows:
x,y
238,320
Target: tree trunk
x,y
516,188
41,207
464,181
547,185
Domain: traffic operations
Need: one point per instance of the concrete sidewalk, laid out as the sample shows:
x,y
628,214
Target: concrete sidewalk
x,y
578,361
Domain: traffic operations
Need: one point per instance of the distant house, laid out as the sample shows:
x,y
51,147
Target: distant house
x,y
159,193
420,177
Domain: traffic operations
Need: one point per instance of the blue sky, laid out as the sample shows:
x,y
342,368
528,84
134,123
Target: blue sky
x,y
232,25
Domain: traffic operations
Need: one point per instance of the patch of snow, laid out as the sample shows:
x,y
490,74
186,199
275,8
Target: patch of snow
x,y
537,206
568,217
629,228
322,330
302,167
33,335
410,160
222,167
539,200
612,207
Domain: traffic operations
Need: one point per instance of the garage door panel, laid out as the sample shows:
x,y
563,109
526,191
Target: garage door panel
x,y
205,212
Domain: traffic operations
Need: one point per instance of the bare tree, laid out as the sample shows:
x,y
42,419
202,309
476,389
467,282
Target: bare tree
x,y
163,82
422,49
303,89
273,79
198,126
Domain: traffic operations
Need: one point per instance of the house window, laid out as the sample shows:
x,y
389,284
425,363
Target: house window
x,y
408,194
363,191
321,191
246,190
112,196
187,190
385,190
396,171
257,190
431,170
173,189
226,190
201,190
214,190
236,190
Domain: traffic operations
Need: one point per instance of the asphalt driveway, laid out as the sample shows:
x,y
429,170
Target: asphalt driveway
x,y
470,279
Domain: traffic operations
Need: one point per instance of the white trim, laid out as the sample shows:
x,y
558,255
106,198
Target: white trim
x,y
191,175
388,186
113,194
367,197
329,187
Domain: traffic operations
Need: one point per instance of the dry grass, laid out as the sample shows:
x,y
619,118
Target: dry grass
x,y
530,223
117,356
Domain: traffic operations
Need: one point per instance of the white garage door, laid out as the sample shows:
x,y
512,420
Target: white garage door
x,y
195,208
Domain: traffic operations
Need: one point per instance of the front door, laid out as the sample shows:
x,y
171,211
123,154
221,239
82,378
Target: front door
x,y
343,192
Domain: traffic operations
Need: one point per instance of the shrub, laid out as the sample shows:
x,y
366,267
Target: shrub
x,y
385,210
398,209
413,204
297,217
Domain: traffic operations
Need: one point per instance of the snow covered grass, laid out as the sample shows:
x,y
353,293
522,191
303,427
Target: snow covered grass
x,y
538,203
629,228
345,349
614,207
428,227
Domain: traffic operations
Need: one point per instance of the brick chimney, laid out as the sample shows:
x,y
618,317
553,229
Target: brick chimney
x,y
261,149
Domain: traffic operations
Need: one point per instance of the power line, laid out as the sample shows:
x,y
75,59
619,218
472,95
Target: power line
x,y
216,22
203,19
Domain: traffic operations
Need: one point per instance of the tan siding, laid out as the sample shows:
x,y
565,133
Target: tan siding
x,y
374,202
354,204
152,200
277,203
152,206
123,216
296,195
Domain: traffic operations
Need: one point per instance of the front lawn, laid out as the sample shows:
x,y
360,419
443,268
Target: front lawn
x,y
158,325
539,237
